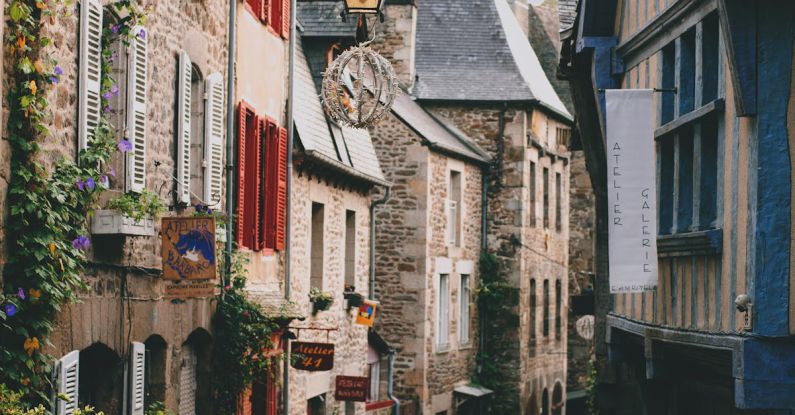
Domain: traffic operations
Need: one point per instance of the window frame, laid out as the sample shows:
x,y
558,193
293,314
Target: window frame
x,y
464,316
442,313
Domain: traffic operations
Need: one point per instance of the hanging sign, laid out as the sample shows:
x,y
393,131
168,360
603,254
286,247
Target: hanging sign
x,y
584,327
188,248
631,190
366,313
313,357
351,388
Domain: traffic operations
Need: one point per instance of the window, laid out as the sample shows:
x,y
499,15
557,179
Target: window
x,y
562,135
546,197
101,378
558,202
350,248
558,308
196,162
454,209
317,248
545,311
263,396
374,369
463,325
532,193
155,390
532,325
687,149
274,13
90,68
443,311
316,405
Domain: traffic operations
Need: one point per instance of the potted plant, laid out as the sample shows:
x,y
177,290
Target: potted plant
x,y
129,214
321,300
352,298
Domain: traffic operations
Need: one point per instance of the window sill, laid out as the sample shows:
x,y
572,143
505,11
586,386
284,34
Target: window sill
x,y
708,242
465,346
442,348
692,116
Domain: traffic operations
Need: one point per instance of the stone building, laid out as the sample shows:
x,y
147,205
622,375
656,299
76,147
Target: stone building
x,y
714,335
471,65
123,310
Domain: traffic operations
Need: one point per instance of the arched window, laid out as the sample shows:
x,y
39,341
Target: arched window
x,y
155,370
546,308
194,374
197,162
101,379
545,402
557,399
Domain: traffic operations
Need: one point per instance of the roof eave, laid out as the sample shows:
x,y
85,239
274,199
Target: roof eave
x,y
335,165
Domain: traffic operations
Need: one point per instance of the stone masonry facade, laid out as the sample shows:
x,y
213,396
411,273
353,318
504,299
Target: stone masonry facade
x,y
124,299
412,253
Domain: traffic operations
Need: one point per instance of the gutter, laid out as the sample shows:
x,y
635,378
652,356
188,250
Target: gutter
x,y
289,188
230,147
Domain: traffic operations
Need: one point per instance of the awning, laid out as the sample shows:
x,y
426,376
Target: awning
x,y
472,390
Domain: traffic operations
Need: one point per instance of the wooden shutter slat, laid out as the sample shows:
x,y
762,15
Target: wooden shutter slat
x,y
214,142
137,75
137,371
281,190
254,171
285,23
90,70
183,127
68,371
271,182
267,14
241,170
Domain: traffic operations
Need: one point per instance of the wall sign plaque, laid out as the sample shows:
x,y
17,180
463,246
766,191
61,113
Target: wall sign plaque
x,y
188,248
366,313
351,388
314,357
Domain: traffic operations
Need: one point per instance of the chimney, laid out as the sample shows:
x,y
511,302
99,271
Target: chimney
x,y
396,38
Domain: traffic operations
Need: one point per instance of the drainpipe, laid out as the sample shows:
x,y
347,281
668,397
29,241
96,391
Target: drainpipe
x,y
288,220
373,204
230,133
390,383
484,248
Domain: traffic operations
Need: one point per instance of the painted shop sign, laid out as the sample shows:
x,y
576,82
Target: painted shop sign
x,y
314,357
190,289
632,190
188,248
351,388
366,313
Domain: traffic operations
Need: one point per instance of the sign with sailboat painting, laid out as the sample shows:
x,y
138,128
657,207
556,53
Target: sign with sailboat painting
x,y
188,248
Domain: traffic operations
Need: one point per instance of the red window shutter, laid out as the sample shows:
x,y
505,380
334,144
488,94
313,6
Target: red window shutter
x,y
255,6
281,190
242,110
285,18
271,183
244,403
253,192
264,188
267,13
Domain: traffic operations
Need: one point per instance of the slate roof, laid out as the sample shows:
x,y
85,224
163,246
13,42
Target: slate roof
x,y
436,132
567,10
322,19
346,149
475,50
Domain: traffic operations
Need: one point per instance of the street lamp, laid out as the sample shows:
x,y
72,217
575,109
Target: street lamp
x,y
363,7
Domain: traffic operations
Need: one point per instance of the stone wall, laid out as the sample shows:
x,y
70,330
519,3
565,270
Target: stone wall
x,y
124,299
350,339
395,39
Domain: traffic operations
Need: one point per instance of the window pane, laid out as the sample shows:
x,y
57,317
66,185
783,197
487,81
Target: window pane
x,y
666,183
687,73
684,210
710,58
316,269
709,174
668,79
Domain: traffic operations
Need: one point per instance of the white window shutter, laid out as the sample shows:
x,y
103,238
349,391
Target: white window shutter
x,y
90,70
137,367
183,127
137,80
214,136
68,372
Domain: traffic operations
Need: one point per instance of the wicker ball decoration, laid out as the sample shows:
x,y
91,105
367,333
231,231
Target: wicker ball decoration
x,y
359,87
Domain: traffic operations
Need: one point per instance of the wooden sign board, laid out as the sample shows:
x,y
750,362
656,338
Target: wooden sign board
x,y
352,388
189,289
314,357
188,248
366,313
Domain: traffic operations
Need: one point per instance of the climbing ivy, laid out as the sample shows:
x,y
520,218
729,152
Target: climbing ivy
x,y
49,206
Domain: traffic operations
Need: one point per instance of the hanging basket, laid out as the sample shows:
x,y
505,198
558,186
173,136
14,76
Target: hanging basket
x,y
359,87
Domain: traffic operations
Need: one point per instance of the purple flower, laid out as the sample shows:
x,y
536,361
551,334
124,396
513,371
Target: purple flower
x,y
81,242
125,145
112,171
114,29
58,71
114,90
21,293
107,95
10,310
81,185
90,183
54,79
104,182
142,34
209,211
113,57
106,109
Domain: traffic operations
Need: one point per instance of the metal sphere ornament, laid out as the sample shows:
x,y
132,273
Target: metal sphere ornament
x,y
359,87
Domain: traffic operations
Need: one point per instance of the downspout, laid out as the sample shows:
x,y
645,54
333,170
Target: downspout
x,y
289,185
484,248
373,204
390,383
230,148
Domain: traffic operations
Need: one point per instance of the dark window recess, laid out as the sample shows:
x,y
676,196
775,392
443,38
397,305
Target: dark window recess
x,y
558,308
668,82
546,308
709,58
687,72
532,328
709,174
665,179
532,193
546,197
558,202
684,176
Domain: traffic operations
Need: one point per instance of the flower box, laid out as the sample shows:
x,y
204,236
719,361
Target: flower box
x,y
112,222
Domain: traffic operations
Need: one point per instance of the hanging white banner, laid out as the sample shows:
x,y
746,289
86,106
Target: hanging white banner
x,y
631,190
